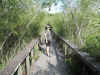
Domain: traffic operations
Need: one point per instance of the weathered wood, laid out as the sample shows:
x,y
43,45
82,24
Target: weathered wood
x,y
84,70
32,56
28,65
65,50
20,72
89,61
14,64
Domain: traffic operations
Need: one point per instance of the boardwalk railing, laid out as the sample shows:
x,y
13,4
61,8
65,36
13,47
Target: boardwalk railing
x,y
21,63
89,65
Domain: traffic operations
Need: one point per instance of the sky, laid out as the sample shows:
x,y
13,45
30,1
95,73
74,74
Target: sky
x,y
55,8
60,6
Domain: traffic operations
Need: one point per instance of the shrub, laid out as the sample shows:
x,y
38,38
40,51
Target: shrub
x,y
93,45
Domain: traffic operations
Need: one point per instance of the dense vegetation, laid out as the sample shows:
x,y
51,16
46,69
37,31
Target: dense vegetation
x,y
80,25
19,24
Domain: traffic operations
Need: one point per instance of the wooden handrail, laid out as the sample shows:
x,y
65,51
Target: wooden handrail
x,y
83,56
21,57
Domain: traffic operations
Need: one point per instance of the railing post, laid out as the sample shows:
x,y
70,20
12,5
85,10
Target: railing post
x,y
20,70
65,50
28,65
84,70
32,56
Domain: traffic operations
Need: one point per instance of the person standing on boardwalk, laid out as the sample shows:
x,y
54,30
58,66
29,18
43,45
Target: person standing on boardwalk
x,y
48,39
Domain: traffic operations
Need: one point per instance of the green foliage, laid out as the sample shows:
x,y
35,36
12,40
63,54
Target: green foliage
x,y
46,3
93,44
1,65
19,18
58,24
81,25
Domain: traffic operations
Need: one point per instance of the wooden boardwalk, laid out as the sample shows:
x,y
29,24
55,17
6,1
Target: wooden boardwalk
x,y
53,65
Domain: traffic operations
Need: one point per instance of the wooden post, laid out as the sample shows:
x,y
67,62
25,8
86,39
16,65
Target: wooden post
x,y
65,50
84,70
28,65
98,73
32,56
20,72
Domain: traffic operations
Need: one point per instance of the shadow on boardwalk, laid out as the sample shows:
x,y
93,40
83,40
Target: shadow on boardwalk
x,y
53,65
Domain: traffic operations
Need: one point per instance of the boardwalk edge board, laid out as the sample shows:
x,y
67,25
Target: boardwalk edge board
x,y
84,58
16,62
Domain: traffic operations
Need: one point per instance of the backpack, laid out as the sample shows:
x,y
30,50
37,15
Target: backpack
x,y
48,35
